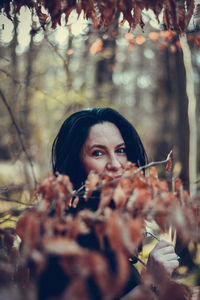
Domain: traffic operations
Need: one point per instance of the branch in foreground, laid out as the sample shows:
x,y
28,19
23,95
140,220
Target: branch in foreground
x,y
8,219
15,187
15,201
80,191
12,213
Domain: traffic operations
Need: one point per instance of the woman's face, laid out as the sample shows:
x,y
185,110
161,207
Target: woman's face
x,y
104,150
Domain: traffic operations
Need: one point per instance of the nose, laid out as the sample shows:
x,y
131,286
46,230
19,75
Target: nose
x,y
113,164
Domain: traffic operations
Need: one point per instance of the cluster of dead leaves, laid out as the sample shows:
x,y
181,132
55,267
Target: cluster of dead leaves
x,y
177,14
148,197
118,225
45,237
90,250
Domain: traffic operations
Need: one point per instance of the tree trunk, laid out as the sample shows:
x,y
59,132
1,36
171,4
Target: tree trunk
x,y
182,129
191,115
106,62
26,124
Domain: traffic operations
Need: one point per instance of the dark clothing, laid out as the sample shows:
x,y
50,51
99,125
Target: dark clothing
x,y
90,241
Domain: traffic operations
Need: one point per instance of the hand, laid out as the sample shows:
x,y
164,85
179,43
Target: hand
x,y
162,262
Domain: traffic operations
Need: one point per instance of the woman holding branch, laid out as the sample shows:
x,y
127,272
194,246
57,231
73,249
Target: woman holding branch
x,y
103,141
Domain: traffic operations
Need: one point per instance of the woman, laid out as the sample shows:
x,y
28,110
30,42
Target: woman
x,y
73,133
102,140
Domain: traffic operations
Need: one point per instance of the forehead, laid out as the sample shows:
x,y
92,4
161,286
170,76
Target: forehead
x,y
104,133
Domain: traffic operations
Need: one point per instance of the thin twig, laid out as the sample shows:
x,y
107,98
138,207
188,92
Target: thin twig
x,y
13,187
5,58
8,219
55,49
13,212
100,186
13,79
81,191
20,137
31,86
141,262
15,201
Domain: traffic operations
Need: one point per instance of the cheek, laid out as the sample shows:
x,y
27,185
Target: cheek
x,y
90,163
123,160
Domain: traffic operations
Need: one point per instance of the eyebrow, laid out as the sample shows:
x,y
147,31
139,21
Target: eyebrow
x,y
103,147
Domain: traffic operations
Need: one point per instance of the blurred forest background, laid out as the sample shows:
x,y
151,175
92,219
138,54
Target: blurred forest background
x,y
45,75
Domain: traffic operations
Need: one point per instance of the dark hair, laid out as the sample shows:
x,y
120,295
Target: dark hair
x,y
73,134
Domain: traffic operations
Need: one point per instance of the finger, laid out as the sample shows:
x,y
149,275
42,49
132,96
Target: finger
x,y
170,257
166,250
170,266
163,243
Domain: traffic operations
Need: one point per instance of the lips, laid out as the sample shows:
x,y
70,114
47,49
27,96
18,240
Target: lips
x,y
113,175
117,176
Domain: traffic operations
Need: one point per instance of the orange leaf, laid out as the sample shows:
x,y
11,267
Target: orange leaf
x,y
90,184
75,202
178,44
197,40
140,39
178,184
153,172
172,49
96,46
154,36
169,163
106,196
161,220
70,51
168,34
162,46
92,180
119,196
129,36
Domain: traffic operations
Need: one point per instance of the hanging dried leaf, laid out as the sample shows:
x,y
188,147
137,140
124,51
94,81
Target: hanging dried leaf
x,y
197,15
169,157
119,196
106,196
177,14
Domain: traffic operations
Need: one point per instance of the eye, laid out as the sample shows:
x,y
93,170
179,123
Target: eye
x,y
121,150
97,153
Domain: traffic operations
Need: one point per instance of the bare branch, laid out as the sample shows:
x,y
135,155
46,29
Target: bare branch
x,y
80,191
14,187
5,58
55,49
9,75
8,219
65,61
15,201
32,87
20,137
13,212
